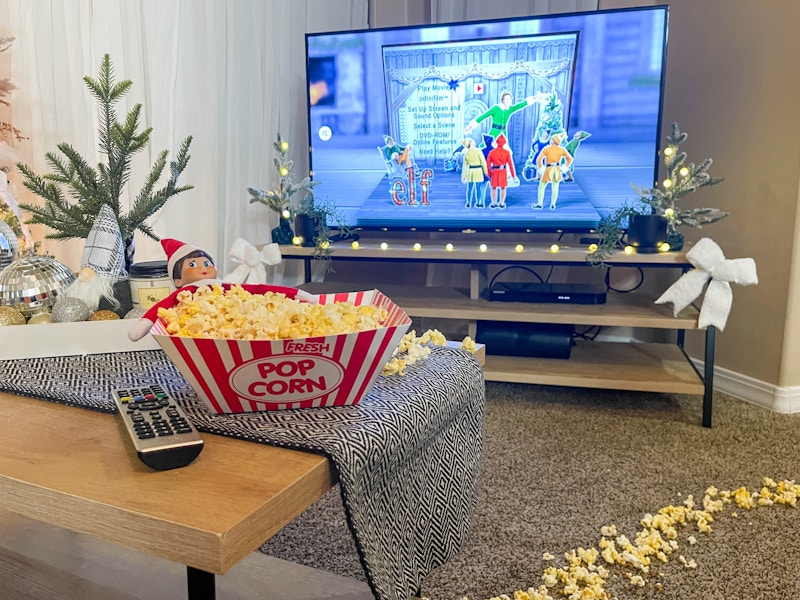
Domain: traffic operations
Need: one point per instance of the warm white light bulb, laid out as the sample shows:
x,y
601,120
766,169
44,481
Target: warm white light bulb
x,y
593,247
449,247
297,240
324,245
417,246
669,151
555,248
355,245
286,214
667,183
283,171
483,247
684,172
519,248
384,246
629,250
669,212
663,247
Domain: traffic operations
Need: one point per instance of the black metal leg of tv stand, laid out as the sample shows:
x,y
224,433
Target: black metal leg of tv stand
x,y
708,370
708,375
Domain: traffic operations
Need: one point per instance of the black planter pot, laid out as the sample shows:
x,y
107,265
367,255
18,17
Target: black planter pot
x,y
647,232
307,228
283,233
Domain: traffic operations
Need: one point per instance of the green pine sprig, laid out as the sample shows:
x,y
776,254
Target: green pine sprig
x,y
74,191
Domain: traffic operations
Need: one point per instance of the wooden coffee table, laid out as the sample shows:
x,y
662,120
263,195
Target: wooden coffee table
x,y
73,468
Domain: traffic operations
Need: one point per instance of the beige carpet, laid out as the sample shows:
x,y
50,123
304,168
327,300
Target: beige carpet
x,y
560,463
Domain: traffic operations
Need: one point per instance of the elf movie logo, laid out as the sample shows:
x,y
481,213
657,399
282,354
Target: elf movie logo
x,y
282,379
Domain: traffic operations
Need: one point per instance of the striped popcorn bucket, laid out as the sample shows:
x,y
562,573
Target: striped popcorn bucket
x,y
235,376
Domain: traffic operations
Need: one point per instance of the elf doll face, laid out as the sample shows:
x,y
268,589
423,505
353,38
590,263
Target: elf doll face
x,y
195,269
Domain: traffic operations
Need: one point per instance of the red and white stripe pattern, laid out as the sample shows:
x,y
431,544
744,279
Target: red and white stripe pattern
x,y
235,376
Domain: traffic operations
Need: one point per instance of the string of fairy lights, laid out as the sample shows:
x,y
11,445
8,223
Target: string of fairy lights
x,y
482,247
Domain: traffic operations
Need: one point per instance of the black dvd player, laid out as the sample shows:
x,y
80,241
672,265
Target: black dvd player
x,y
561,293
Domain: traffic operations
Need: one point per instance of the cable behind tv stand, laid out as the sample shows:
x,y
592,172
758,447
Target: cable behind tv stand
x,y
645,367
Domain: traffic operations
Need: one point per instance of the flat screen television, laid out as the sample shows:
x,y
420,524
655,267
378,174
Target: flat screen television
x,y
575,98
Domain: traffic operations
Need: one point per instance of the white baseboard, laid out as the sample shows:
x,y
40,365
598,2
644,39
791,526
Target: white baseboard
x,y
779,399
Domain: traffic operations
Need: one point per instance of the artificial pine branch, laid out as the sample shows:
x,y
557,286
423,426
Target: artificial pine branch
x,y
88,187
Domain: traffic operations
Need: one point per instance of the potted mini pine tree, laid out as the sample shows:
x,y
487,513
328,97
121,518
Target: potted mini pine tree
x,y
75,191
661,203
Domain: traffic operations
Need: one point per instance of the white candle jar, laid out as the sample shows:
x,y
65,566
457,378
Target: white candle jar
x,y
150,283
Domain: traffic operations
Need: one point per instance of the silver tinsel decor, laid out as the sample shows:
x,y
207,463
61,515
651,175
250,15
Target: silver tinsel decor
x,y
33,284
9,245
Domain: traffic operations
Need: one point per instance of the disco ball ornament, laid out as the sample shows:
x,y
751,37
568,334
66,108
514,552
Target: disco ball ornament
x,y
10,316
33,283
9,245
70,310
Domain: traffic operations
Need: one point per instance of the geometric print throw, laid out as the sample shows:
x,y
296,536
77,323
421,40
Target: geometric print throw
x,y
407,457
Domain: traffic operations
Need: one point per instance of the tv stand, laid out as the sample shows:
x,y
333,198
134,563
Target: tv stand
x,y
646,367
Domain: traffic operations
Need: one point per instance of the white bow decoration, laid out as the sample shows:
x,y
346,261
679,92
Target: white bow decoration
x,y
251,261
710,264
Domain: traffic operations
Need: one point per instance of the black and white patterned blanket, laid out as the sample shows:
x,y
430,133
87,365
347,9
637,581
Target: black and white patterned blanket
x,y
407,456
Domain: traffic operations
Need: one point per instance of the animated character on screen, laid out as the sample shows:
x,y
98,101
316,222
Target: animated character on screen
x,y
500,163
396,157
501,113
472,173
552,159
190,267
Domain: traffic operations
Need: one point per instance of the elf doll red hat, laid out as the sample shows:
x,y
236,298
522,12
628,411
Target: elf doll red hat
x,y
176,252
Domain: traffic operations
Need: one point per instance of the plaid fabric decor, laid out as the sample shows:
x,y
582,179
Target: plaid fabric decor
x,y
104,251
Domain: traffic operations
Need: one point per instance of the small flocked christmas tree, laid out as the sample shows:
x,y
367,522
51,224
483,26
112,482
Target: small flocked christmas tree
x,y
682,179
283,198
90,188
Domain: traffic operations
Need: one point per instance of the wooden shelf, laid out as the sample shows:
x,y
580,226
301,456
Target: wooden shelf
x,y
604,365
650,367
620,310
434,251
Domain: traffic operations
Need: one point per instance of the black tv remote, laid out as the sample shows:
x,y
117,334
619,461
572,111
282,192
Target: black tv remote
x,y
161,434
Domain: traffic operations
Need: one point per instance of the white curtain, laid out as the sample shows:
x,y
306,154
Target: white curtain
x,y
229,73
444,11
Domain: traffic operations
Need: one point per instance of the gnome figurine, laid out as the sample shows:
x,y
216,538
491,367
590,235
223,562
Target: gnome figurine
x,y
102,281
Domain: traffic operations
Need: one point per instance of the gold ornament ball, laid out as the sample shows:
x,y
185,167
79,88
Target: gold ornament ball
x,y
40,318
104,315
10,316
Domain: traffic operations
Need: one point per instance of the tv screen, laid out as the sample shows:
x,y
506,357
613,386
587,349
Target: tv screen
x,y
525,124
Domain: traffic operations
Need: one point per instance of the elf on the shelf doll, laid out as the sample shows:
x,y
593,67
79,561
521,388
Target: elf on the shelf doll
x,y
190,267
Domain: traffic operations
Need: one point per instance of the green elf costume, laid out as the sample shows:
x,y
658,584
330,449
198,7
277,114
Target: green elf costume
x,y
500,114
